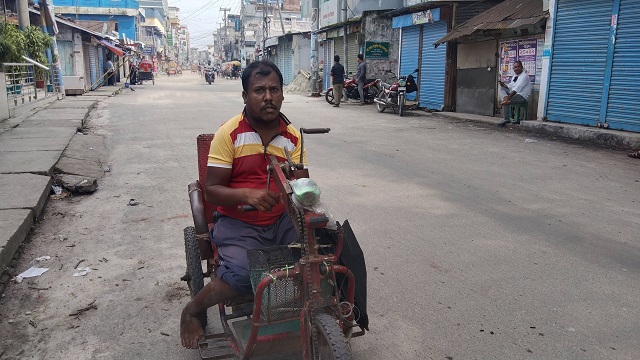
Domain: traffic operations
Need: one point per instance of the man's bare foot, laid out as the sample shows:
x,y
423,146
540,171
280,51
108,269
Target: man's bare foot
x,y
191,331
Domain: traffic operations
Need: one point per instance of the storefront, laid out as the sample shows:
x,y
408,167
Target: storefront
x,y
595,47
419,31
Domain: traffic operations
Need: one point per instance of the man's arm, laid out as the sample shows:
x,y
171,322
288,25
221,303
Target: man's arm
x,y
219,193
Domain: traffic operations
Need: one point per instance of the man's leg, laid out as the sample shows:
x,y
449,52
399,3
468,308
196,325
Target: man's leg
x,y
361,91
215,292
337,94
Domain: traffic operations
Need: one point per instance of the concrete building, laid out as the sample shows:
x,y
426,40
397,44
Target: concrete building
x,y
118,18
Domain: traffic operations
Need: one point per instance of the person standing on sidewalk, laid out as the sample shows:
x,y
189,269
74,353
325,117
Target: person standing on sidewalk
x,y
337,80
361,77
110,71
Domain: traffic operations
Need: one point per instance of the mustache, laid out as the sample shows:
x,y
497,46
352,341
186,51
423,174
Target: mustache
x,y
269,106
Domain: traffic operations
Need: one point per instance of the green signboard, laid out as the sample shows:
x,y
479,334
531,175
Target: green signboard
x,y
376,50
169,40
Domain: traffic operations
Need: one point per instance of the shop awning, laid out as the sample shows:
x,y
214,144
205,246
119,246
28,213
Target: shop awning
x,y
509,14
113,49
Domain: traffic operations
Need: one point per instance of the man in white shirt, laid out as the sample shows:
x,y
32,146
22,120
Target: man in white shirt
x,y
517,92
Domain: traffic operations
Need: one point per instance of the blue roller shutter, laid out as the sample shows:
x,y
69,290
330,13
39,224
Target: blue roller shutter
x,y
328,63
101,62
432,69
94,66
287,60
623,109
579,61
409,52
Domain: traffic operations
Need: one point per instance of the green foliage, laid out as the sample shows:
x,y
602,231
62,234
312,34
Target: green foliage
x,y
36,43
12,43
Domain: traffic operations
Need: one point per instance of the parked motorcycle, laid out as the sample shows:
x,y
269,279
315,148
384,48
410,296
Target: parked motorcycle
x,y
209,75
371,89
394,96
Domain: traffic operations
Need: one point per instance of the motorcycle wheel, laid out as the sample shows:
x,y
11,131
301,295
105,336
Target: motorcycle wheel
x,y
401,102
383,97
209,81
370,95
329,96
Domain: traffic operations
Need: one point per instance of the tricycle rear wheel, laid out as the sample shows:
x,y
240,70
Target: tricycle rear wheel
x,y
329,97
331,342
194,276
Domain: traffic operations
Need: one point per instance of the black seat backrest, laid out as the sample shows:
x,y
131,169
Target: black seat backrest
x,y
411,84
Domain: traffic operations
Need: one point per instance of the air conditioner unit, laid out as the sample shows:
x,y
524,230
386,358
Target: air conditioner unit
x,y
73,85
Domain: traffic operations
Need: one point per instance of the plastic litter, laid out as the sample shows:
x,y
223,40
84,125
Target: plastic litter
x,y
531,141
56,189
33,271
82,271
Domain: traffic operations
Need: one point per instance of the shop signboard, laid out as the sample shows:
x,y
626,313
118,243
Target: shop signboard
x,y
376,50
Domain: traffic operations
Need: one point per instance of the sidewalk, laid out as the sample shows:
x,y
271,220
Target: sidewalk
x,y
30,146
623,140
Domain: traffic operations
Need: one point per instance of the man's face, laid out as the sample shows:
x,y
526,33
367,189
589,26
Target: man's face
x,y
263,98
517,68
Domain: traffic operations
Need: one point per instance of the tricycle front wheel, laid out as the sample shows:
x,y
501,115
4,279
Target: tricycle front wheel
x,y
331,343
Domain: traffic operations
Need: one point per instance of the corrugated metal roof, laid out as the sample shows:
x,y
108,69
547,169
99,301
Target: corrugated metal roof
x,y
507,15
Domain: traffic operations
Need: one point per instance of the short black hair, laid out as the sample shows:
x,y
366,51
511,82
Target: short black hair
x,y
517,62
336,58
360,56
262,68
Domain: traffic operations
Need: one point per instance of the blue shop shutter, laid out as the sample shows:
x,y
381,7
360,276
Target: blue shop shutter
x,y
578,61
101,61
623,109
409,52
94,66
432,69
287,60
328,63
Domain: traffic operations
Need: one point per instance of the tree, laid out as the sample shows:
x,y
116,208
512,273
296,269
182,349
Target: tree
x,y
12,43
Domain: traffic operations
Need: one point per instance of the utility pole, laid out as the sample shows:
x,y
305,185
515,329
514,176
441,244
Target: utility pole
x,y
225,30
23,14
344,29
314,48
281,22
265,29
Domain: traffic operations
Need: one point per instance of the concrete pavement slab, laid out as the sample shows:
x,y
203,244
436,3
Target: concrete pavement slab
x,y
88,166
38,133
14,228
24,191
30,123
47,144
35,162
73,104
60,114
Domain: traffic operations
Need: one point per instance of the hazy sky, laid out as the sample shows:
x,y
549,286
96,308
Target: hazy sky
x,y
203,17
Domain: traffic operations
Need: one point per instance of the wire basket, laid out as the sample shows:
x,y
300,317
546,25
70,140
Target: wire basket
x,y
282,298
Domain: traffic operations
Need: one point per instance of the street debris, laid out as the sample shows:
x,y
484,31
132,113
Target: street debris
x,y
56,189
82,271
79,262
78,185
39,288
92,305
63,237
33,323
133,202
106,168
164,333
34,269
531,141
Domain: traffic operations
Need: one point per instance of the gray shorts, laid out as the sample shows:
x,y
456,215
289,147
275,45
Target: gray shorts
x,y
233,238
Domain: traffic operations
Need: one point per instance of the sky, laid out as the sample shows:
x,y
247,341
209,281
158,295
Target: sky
x,y
202,17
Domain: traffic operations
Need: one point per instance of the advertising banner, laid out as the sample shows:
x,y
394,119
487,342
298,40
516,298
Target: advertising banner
x,y
524,50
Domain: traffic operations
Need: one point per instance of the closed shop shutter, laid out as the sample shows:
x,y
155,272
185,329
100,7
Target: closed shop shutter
x,y
623,109
432,69
93,61
287,60
338,48
101,61
578,61
87,66
354,50
328,63
65,54
410,53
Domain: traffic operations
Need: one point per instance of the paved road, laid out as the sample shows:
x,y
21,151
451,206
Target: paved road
x,y
480,243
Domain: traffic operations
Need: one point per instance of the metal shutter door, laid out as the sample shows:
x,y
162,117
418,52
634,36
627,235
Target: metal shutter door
x,y
101,61
287,59
65,54
93,67
328,63
623,111
338,49
409,53
432,69
353,50
578,61
87,66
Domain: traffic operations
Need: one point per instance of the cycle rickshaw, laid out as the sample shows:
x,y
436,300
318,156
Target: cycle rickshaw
x,y
306,290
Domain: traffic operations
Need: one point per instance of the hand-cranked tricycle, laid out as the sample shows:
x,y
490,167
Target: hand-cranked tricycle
x,y
313,290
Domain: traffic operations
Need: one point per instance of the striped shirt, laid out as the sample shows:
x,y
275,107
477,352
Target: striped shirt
x,y
237,146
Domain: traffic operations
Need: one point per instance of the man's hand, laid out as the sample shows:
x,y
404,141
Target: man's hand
x,y
506,101
262,199
502,84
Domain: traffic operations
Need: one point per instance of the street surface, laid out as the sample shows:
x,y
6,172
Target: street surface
x,y
481,243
